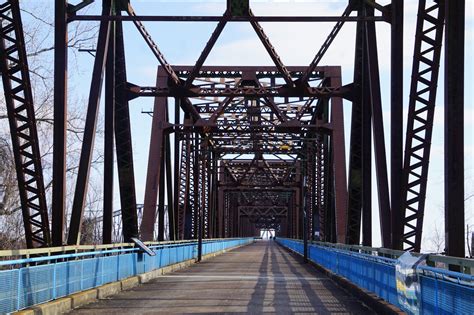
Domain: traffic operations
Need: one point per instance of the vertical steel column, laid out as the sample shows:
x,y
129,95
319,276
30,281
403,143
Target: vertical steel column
x,y
310,187
80,193
421,108
176,174
366,139
396,117
225,212
233,216
297,215
22,122
155,167
339,156
213,193
186,195
196,226
304,210
454,128
314,187
161,193
319,184
366,158
108,183
198,213
377,123
216,193
60,119
123,140
220,213
329,180
169,187
356,165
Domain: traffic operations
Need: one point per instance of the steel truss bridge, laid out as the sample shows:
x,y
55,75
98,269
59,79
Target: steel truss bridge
x,y
250,147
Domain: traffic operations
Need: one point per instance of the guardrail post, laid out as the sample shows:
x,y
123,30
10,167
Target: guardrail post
x,y
82,274
19,289
118,267
54,281
102,270
199,248
373,276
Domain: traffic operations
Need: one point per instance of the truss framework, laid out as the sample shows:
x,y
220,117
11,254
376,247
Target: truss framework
x,y
251,136
21,117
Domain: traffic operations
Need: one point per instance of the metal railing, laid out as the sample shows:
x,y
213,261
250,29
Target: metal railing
x,y
442,291
41,275
466,265
11,254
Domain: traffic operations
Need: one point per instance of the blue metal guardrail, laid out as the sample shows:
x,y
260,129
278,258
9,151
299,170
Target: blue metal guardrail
x,y
61,275
442,291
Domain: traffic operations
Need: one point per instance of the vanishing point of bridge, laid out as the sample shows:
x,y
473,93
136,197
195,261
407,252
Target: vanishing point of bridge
x,y
236,150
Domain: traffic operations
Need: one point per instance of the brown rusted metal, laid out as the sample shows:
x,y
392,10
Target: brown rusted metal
x,y
22,121
261,137
155,168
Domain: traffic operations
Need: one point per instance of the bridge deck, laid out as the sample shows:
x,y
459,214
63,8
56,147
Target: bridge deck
x,y
262,277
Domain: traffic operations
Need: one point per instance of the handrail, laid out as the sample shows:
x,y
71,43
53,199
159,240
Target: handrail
x,y
466,264
26,283
440,290
93,253
78,248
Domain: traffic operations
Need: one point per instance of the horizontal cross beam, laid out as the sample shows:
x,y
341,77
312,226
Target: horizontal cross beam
x,y
320,92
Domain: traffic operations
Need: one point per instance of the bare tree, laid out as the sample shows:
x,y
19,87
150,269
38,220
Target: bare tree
x,y
38,24
436,240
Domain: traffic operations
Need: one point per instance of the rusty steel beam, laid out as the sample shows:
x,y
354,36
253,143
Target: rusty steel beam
x,y
396,114
272,52
427,54
339,159
22,121
366,103
161,192
378,131
109,122
185,193
123,140
169,187
154,47
454,127
176,174
58,221
356,179
327,43
207,49
150,91
80,193
153,179
192,18
231,111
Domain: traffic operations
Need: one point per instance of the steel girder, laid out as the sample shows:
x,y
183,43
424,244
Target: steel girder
x,y
21,117
89,129
58,221
289,119
428,42
367,114
123,139
454,128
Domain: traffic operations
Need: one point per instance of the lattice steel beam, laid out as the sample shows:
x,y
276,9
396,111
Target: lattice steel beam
x,y
21,117
428,42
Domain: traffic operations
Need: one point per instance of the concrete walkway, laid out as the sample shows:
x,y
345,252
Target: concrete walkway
x,y
254,279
